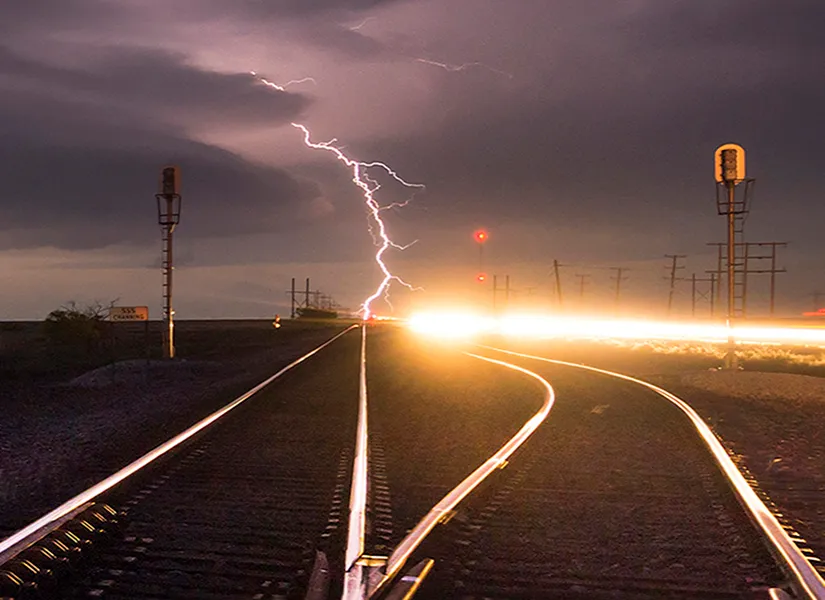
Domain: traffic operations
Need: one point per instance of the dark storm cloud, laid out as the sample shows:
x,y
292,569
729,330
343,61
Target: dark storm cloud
x,y
165,83
87,196
276,9
621,121
326,24
784,28
80,150
609,104
159,84
21,15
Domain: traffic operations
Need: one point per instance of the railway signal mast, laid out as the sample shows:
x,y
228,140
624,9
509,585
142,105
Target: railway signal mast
x,y
729,171
481,236
168,202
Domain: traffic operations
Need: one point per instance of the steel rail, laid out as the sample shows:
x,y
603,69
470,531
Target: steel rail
x,y
440,511
355,575
805,579
23,538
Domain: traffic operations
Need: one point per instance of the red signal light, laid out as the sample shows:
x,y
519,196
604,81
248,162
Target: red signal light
x,y
481,236
481,277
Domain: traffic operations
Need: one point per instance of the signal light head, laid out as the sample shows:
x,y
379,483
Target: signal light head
x,y
481,277
729,164
480,236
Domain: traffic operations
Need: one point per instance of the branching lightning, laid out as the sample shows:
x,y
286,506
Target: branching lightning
x,y
463,67
378,229
362,23
282,87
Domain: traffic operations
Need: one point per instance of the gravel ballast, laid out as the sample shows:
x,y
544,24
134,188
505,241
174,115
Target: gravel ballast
x,y
58,439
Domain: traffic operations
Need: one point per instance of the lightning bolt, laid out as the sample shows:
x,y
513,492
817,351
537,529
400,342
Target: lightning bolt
x,y
282,87
377,227
463,67
362,23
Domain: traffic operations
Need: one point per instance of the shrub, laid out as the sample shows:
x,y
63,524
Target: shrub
x,y
71,325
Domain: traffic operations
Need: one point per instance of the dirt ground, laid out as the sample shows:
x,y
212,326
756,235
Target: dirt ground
x,y
62,431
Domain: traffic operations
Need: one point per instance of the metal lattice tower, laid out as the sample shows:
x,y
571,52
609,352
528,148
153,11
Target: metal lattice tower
x,y
168,201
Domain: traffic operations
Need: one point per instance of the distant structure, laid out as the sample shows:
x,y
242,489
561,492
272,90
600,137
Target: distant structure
x,y
708,295
753,258
617,299
674,268
557,283
315,305
505,289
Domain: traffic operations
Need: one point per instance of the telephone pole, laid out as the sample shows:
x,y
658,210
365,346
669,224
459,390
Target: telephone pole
x,y
168,203
752,253
557,283
696,293
774,271
583,280
817,296
619,278
673,268
293,303
505,289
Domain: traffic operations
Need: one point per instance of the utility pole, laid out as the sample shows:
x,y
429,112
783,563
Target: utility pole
x,y
619,279
773,278
693,295
583,279
292,300
505,289
719,274
714,291
168,203
696,293
750,252
774,271
558,283
673,268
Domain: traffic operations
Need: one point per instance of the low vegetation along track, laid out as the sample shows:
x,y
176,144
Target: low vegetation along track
x,y
326,487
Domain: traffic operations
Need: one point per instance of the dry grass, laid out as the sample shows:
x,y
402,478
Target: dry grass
x,y
752,357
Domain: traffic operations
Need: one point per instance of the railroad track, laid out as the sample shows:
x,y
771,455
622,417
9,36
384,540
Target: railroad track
x,y
291,495
618,497
245,507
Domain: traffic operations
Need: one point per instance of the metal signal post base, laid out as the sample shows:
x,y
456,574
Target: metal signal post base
x,y
168,218
731,361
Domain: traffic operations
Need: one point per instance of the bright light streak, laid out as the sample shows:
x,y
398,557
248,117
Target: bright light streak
x,y
451,325
282,87
456,325
463,67
369,186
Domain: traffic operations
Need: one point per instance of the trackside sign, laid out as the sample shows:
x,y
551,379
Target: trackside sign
x,y
129,313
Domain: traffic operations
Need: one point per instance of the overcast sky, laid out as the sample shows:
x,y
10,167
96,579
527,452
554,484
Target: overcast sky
x,y
576,130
